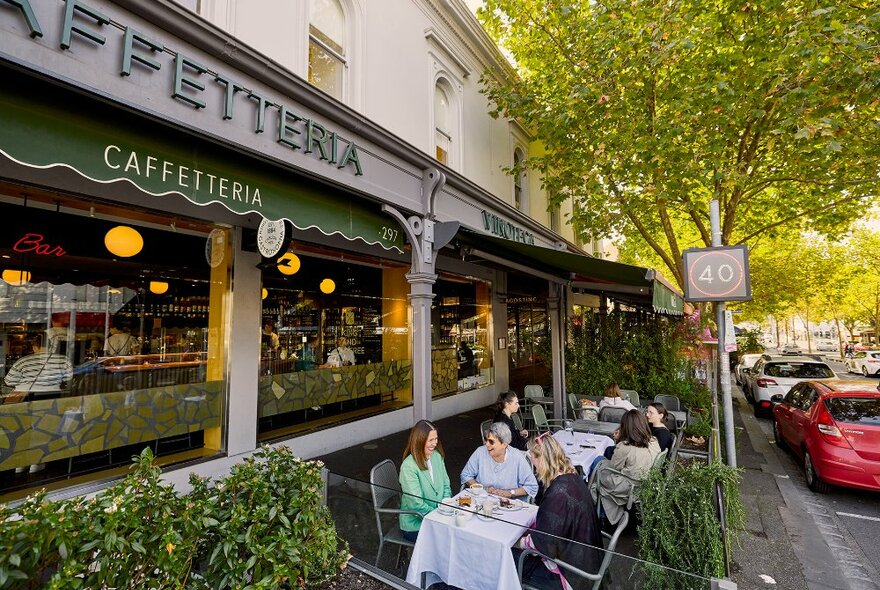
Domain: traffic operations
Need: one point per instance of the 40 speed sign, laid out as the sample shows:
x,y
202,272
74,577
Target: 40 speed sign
x,y
717,274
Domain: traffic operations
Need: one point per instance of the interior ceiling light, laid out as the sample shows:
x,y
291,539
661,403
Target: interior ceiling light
x,y
158,287
288,263
124,241
265,293
327,286
16,277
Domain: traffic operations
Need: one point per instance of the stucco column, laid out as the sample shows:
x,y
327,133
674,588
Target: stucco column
x,y
421,295
556,350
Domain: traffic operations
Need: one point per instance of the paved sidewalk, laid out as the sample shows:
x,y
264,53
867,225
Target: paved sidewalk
x,y
781,548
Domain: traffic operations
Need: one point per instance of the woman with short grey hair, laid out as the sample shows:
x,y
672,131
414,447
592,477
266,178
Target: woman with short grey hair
x,y
501,469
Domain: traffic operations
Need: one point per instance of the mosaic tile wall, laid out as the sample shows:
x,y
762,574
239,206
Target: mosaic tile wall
x,y
46,430
444,371
287,392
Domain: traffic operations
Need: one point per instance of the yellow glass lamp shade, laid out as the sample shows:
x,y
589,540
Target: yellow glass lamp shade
x,y
288,264
16,277
158,287
124,241
327,286
265,293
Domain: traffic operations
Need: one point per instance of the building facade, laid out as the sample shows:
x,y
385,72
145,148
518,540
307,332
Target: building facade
x,y
231,223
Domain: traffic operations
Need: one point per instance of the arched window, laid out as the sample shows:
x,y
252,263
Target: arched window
x,y
327,51
443,123
520,182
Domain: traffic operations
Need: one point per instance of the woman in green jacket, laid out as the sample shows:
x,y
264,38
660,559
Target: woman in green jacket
x,y
423,477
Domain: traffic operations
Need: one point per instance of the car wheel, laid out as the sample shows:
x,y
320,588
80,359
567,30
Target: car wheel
x,y
813,481
864,370
776,436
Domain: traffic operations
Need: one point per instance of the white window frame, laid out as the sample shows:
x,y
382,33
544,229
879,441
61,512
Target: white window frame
x,y
453,90
353,43
523,177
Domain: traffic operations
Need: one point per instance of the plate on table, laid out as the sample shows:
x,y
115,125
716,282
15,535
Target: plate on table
x,y
513,507
476,494
445,509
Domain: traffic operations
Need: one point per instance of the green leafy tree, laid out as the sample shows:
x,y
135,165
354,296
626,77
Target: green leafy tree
x,y
649,110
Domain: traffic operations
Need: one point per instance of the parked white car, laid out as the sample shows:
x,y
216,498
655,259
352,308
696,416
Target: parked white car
x,y
827,346
866,362
778,374
746,361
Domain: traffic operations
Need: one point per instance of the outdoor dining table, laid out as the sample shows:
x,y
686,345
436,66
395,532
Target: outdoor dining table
x,y
475,556
582,447
595,426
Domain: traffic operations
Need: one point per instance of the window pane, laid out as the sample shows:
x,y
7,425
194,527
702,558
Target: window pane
x,y
325,70
441,111
335,341
327,23
103,355
461,350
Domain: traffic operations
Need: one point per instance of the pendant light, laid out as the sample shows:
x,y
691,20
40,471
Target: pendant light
x,y
288,263
16,277
124,241
158,287
327,286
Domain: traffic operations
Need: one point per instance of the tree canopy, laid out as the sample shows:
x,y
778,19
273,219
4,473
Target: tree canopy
x,y
648,110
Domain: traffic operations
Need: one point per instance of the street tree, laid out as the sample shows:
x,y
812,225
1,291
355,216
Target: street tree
x,y
648,110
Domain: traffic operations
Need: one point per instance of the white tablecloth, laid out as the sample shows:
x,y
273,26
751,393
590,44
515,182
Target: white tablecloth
x,y
582,447
475,556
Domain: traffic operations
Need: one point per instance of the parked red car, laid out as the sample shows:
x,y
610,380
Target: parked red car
x,y
834,426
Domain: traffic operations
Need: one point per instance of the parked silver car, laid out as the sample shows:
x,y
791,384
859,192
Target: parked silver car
x,y
778,374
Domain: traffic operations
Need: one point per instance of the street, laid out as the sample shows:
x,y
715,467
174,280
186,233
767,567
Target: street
x,y
849,520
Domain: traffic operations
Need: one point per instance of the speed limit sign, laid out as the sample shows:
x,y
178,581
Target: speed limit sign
x,y
717,274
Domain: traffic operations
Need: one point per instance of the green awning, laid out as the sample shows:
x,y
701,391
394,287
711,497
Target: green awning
x,y
632,284
45,126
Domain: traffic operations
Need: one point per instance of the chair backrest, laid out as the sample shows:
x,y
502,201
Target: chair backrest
x,y
610,540
484,428
631,395
573,402
673,452
540,418
660,460
384,485
670,401
533,391
517,421
609,414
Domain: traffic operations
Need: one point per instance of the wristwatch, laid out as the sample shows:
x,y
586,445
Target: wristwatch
x,y
512,492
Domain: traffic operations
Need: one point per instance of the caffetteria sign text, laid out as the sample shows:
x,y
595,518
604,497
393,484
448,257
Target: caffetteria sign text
x,y
82,23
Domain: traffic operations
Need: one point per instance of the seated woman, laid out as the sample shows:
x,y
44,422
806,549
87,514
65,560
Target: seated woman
x,y
612,398
633,457
501,470
657,416
505,407
423,478
568,517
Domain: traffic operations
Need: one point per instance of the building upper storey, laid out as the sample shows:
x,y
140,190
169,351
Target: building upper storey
x,y
411,66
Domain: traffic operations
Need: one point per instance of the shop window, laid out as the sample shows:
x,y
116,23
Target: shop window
x,y
336,342
528,337
112,332
461,343
328,62
554,218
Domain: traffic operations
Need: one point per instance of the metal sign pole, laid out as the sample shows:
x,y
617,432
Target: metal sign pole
x,y
723,355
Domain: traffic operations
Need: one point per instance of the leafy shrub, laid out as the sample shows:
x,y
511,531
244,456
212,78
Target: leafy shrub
x,y
262,527
681,529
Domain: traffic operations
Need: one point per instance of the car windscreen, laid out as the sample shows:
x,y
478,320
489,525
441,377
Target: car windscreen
x,y
855,410
799,370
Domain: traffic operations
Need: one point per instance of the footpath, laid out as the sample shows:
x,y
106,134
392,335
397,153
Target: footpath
x,y
782,548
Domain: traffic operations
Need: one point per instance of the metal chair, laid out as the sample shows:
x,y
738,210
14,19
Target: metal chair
x,y
610,540
631,395
542,424
611,414
574,404
533,391
484,428
671,402
385,486
517,421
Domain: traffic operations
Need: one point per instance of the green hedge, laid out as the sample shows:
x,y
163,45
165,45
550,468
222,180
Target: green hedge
x,y
261,527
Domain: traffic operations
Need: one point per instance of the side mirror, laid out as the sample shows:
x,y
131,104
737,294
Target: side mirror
x,y
776,398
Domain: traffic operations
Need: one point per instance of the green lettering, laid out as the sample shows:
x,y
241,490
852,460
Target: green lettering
x,y
68,27
312,140
351,155
181,60
29,16
262,103
231,89
487,220
128,54
285,129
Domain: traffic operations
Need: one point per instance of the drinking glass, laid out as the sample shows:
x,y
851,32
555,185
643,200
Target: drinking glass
x,y
568,426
